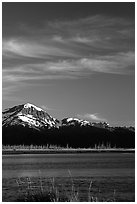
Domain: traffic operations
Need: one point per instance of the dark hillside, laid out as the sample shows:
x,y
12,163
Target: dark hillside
x,y
73,136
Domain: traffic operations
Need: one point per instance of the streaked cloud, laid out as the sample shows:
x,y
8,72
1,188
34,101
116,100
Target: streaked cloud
x,y
27,48
68,50
121,63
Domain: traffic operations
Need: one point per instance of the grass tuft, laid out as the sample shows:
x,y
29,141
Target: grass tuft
x,y
30,192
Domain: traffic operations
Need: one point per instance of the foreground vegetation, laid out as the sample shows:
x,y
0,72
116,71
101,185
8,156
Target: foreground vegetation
x,y
52,193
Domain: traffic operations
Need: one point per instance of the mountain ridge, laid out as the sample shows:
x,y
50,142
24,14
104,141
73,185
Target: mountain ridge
x,y
37,117
28,124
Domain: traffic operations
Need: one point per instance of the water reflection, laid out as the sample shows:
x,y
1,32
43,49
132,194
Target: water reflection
x,y
57,165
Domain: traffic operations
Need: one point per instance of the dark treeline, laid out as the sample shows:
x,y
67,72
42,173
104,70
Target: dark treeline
x,y
71,136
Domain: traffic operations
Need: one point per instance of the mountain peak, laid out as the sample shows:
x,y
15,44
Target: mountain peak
x,y
29,105
28,115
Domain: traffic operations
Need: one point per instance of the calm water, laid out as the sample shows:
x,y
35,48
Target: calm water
x,y
107,170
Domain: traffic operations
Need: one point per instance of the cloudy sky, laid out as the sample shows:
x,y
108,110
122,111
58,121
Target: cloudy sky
x,y
71,59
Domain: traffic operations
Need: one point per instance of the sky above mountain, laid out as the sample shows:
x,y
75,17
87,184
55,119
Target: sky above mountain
x,y
71,59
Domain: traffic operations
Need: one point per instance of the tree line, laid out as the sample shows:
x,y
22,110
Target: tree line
x,y
73,136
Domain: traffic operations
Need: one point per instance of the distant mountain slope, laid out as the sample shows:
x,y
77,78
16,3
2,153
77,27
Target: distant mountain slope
x,y
75,122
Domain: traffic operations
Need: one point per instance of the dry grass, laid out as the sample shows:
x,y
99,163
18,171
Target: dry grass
x,y
53,147
30,192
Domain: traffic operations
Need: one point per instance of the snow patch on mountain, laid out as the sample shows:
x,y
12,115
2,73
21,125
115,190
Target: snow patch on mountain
x,y
29,105
29,120
75,121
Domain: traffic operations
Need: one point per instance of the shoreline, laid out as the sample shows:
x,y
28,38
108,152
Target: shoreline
x,y
67,151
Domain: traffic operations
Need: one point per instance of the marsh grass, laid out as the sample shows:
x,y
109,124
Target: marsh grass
x,y
51,192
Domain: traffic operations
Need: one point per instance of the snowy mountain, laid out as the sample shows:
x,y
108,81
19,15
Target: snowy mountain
x,y
28,115
75,122
28,124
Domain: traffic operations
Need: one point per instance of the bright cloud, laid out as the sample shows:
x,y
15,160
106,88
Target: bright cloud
x,y
92,117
